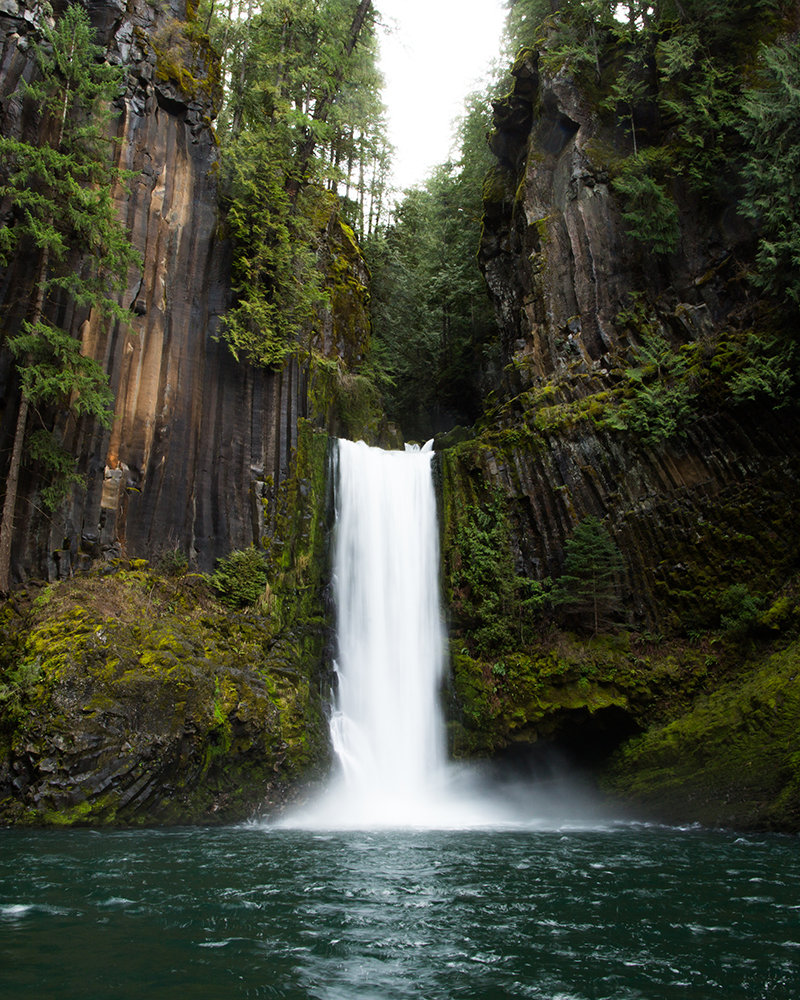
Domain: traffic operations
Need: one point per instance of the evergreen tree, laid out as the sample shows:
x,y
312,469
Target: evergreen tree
x,y
62,214
302,114
433,321
771,126
587,587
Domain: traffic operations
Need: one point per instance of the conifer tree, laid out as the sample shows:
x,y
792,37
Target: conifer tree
x,y
771,126
588,584
62,215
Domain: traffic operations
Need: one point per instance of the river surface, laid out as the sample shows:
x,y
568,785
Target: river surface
x,y
613,911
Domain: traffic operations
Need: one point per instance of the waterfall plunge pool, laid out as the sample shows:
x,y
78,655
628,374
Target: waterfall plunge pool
x,y
612,911
466,897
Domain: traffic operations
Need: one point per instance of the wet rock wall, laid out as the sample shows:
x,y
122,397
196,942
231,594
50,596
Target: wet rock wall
x,y
199,441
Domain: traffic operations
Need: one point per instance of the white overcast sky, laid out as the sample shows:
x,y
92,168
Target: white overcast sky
x,y
439,52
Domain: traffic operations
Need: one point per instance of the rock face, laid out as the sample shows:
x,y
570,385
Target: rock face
x,y
198,439
692,512
704,512
558,262
139,700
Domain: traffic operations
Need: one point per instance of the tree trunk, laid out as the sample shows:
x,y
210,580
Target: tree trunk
x,y
237,113
12,481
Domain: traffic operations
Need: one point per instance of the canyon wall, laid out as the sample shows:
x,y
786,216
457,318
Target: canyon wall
x,y
695,511
200,443
616,401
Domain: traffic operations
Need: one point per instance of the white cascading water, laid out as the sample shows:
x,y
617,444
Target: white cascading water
x,y
386,727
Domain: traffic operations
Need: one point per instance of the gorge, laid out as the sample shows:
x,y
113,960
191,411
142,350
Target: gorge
x,y
636,379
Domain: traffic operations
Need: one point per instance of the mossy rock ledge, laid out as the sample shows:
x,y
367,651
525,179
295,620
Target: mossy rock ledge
x,y
137,699
671,733
733,760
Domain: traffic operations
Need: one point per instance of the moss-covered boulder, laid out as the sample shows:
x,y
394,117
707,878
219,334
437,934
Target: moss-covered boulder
x,y
733,760
138,699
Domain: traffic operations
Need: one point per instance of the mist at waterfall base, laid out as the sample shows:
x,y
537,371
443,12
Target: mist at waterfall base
x,y
387,726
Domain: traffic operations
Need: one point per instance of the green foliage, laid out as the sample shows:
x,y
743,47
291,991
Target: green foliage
x,y
739,610
172,562
276,278
301,113
768,372
352,400
523,23
432,319
16,684
588,588
62,212
699,97
731,760
161,658
483,580
771,127
240,579
60,464
657,401
682,68
60,191
649,212
184,55
53,369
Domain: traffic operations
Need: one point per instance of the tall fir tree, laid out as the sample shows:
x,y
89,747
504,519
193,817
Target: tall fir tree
x,y
59,193
588,586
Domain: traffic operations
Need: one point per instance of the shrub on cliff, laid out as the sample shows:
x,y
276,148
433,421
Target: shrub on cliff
x,y
240,578
771,127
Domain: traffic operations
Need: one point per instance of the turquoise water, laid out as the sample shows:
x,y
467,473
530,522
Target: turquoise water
x,y
568,914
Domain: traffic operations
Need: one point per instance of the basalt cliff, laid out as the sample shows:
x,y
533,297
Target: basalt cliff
x,y
139,692
205,456
702,509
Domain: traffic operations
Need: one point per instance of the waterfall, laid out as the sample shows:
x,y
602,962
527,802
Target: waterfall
x,y
387,729
386,726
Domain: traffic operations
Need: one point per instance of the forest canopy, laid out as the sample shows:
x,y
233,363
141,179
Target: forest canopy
x,y
302,114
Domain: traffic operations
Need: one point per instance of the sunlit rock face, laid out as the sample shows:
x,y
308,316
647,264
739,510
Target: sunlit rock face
x,y
199,442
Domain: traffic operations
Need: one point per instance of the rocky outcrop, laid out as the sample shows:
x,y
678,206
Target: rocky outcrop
x,y
139,699
558,262
199,441
695,509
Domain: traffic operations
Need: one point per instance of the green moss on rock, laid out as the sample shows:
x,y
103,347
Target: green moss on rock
x,y
145,702
733,760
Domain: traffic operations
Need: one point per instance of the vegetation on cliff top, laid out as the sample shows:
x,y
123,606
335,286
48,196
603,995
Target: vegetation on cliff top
x,y
301,116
